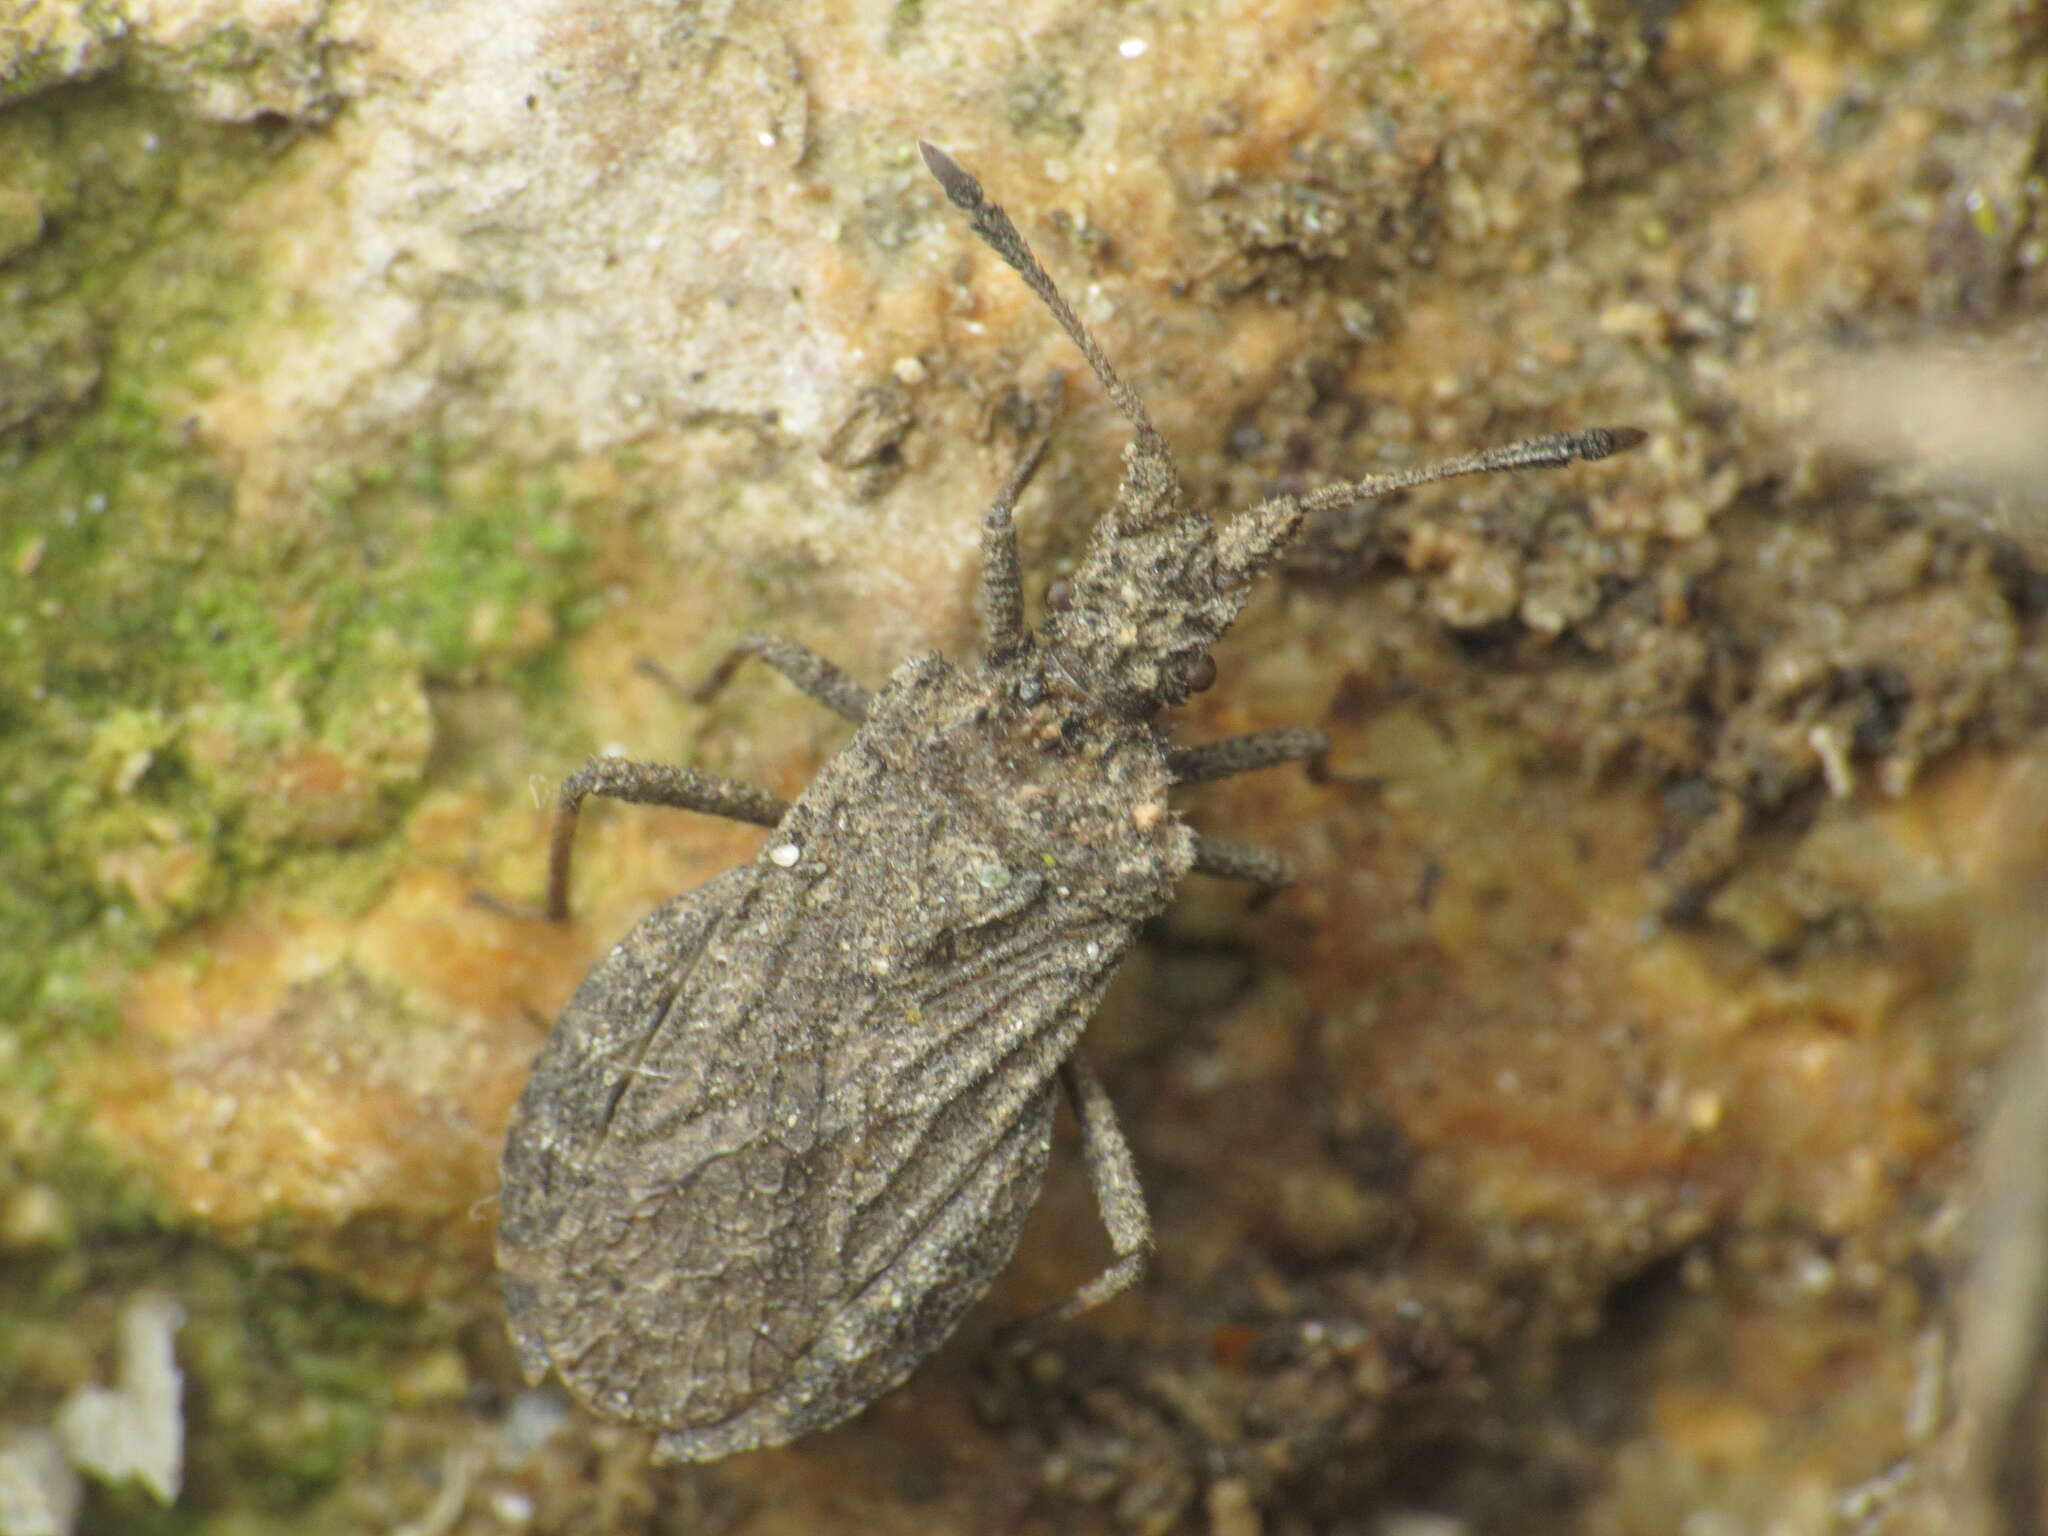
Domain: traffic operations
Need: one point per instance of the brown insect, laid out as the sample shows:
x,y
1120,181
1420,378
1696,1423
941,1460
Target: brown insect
x,y
785,1133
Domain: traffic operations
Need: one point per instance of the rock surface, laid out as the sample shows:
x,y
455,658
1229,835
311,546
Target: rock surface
x,y
1583,1145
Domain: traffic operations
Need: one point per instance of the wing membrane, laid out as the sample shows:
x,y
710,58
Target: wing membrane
x,y
806,1144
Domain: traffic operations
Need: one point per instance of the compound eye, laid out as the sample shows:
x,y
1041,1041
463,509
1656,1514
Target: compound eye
x,y
1201,673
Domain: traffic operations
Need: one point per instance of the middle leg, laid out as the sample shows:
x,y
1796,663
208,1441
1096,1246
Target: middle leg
x,y
619,778
1241,861
1241,754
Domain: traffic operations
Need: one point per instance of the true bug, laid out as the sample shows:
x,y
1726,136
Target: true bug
x,y
785,1133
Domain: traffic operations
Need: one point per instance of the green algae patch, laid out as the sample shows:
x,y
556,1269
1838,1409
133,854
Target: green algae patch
x,y
98,488
291,1380
230,69
188,703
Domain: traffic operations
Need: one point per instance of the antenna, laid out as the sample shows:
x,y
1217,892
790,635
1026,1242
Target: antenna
x,y
1253,538
1553,450
1001,236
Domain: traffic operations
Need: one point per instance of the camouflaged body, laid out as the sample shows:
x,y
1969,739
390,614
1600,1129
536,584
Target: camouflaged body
x,y
786,1132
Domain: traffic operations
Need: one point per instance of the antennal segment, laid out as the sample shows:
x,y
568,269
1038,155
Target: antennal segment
x,y
1553,450
1251,540
1001,236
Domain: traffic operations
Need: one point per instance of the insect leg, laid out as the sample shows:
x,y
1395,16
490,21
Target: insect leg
x,y
1114,1173
1240,861
799,663
617,778
1263,749
1002,581
1002,592
1260,749
1251,540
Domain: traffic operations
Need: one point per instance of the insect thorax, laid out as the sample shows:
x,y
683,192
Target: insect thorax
x,y
1022,760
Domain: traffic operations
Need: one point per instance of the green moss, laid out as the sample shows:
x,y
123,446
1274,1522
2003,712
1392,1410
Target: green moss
x,y
194,696
90,31
290,1377
299,1373
1845,23
1040,100
228,47
101,1199
182,684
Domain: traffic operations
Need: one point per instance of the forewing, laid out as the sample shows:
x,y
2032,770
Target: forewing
x,y
556,1130
855,1067
777,1154
781,1188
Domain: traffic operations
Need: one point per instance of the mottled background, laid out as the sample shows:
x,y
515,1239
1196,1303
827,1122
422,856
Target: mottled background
x,y
1584,1146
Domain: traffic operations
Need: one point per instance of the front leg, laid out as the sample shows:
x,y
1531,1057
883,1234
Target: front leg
x,y
1260,749
812,673
1263,749
1002,581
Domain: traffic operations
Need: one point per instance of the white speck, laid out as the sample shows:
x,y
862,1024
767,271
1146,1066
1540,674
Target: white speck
x,y
1925,1401
1133,47
1814,1274
656,242
133,767
1833,752
632,401
784,855
612,749
151,143
1093,950
765,139
135,1430
908,370
512,1506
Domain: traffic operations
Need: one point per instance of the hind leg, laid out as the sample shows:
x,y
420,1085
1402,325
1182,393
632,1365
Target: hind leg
x,y
1114,1173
